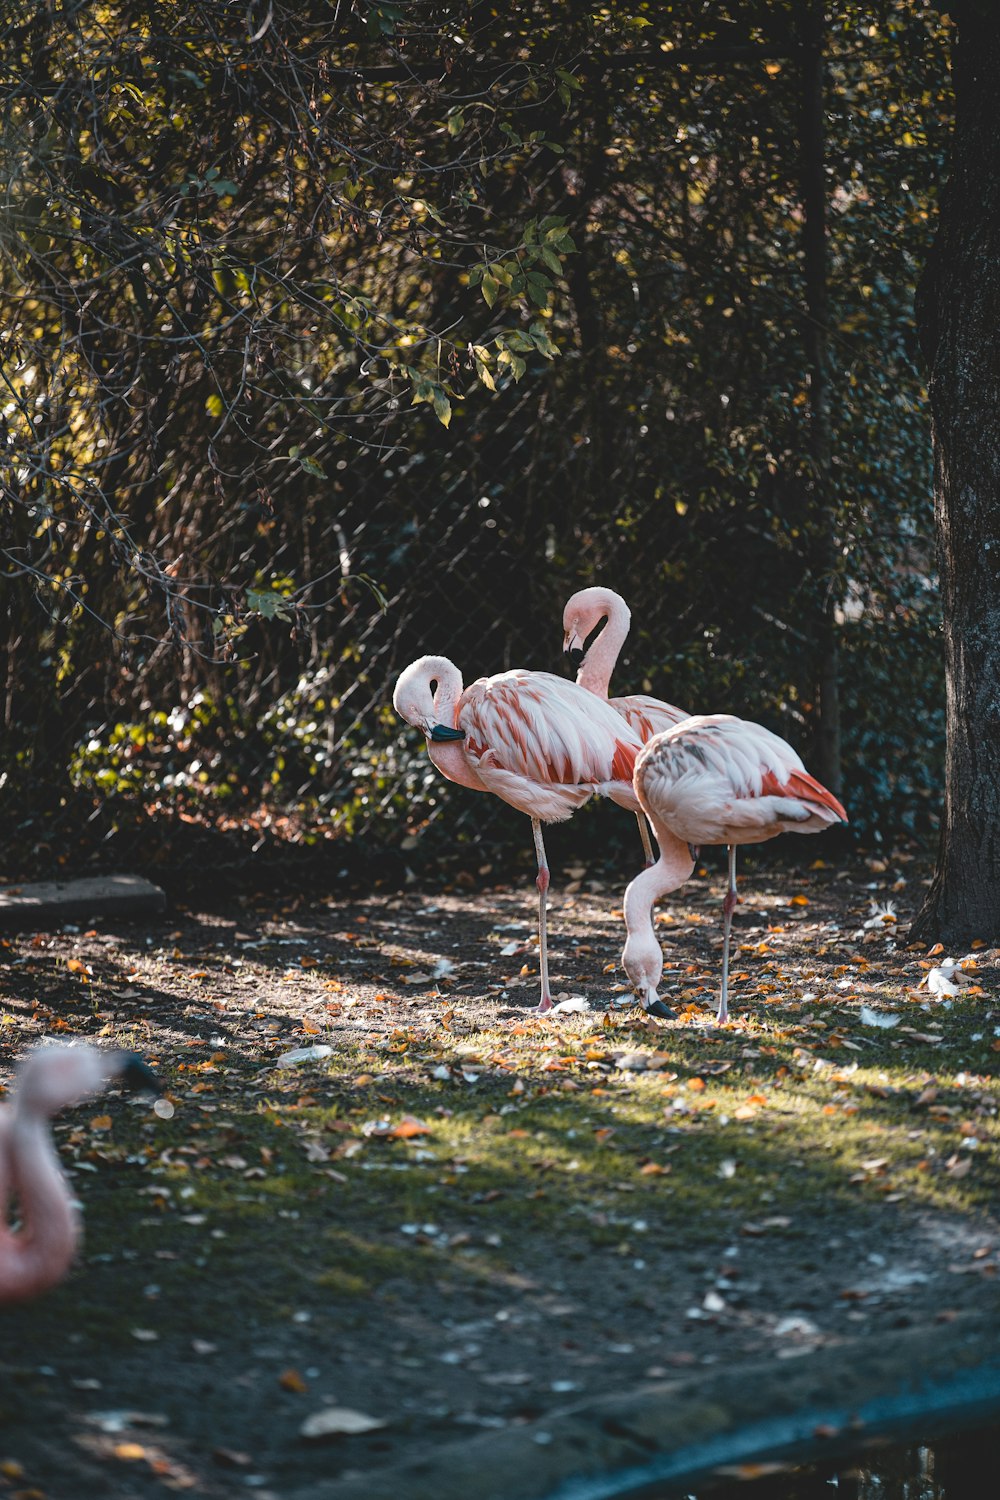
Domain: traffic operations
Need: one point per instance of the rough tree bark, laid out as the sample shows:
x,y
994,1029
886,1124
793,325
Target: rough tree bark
x,y
958,311
816,338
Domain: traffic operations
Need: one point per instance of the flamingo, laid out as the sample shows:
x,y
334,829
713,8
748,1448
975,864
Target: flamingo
x,y
596,662
536,741
39,1254
713,779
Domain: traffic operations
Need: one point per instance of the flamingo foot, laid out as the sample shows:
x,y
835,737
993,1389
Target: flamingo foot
x,y
543,1007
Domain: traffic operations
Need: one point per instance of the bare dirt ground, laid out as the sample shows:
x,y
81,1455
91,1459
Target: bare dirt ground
x,y
463,1218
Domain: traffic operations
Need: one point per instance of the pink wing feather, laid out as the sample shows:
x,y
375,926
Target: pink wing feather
x,y
648,716
544,744
718,780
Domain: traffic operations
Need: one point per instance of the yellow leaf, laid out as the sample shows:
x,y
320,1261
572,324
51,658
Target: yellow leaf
x,y
129,1450
101,1122
800,900
310,1027
291,1380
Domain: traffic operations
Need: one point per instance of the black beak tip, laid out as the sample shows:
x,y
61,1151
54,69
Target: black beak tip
x,y
576,655
657,1008
137,1077
444,732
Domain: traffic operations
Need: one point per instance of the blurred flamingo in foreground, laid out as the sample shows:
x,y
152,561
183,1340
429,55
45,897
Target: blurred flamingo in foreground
x,y
40,1252
712,780
538,742
647,716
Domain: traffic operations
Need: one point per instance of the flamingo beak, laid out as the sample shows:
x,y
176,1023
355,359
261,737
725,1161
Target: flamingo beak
x,y
442,732
137,1077
573,649
654,1006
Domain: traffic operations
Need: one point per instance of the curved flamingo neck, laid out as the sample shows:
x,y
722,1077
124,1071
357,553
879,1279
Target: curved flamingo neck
x,y
41,1251
449,755
599,662
448,690
673,867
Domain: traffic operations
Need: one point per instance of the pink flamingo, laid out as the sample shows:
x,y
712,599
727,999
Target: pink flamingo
x,y
596,662
39,1254
536,741
712,780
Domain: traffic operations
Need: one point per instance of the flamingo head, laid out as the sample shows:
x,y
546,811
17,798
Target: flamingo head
x,y
53,1078
643,962
426,695
583,613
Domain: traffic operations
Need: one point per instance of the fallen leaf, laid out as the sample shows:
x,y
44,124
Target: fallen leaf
x,y
407,1128
883,1018
303,1054
336,1421
291,1380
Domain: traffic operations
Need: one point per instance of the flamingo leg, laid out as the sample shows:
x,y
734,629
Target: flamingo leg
x,y
647,847
542,882
729,904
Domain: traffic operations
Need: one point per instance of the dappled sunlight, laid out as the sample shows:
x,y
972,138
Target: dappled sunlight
x,y
443,1175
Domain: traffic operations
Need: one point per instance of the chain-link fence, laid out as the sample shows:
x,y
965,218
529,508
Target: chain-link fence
x,y
474,537
224,526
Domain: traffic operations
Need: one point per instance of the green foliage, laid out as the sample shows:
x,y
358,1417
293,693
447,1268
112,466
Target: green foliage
x,y
283,306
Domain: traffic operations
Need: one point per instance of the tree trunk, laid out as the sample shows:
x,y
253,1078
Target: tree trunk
x,y
958,311
816,339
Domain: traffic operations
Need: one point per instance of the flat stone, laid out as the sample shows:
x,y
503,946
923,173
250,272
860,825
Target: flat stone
x,y
50,903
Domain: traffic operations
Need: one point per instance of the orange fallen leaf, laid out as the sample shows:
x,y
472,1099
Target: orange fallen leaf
x,y
101,1122
653,1169
697,1084
309,1027
800,900
291,1380
129,1450
407,1128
